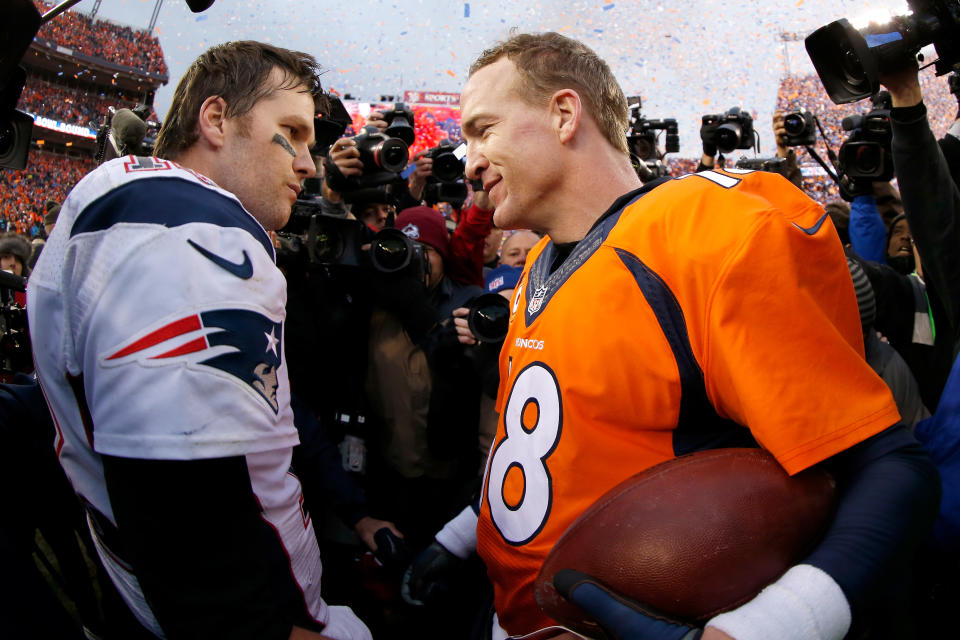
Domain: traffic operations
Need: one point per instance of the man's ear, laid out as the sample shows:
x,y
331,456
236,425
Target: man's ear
x,y
566,110
213,116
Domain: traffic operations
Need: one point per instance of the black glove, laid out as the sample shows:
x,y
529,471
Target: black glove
x,y
619,617
391,551
430,578
706,136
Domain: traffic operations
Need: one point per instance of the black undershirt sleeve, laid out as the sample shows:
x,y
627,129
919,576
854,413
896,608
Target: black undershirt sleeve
x,y
208,564
889,498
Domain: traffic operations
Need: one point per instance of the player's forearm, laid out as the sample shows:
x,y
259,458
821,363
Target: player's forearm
x,y
889,496
193,534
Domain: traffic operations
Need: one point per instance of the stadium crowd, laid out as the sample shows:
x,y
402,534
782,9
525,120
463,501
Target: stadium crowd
x,y
107,40
414,484
48,176
71,105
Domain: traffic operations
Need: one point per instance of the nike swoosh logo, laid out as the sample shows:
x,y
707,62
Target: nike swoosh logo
x,y
243,270
812,230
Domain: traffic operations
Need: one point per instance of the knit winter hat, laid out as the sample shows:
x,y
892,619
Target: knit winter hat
x,y
53,210
426,225
17,246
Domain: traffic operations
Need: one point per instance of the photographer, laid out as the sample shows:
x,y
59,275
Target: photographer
x,y
931,202
474,225
780,134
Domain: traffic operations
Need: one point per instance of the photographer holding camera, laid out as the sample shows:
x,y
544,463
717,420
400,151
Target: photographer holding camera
x,y
473,226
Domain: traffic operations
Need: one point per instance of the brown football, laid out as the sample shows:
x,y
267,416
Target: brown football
x,y
692,537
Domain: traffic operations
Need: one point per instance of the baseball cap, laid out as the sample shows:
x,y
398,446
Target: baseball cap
x,y
426,225
503,277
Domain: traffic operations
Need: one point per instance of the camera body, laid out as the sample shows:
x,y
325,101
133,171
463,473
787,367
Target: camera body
x,y
866,153
850,62
801,131
447,165
642,133
728,131
383,159
770,165
488,317
400,123
446,182
325,240
381,152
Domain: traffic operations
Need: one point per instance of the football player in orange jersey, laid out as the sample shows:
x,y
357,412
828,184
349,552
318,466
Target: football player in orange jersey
x,y
706,311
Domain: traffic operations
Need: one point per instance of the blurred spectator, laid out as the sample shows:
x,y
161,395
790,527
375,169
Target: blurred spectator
x,y
24,192
15,253
72,105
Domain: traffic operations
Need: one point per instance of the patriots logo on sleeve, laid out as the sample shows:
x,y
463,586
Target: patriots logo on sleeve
x,y
242,343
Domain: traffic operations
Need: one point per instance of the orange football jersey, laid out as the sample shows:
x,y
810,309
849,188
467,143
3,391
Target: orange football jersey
x,y
713,301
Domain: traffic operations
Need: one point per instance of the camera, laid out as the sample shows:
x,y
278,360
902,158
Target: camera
x,y
329,124
381,152
850,62
489,317
446,181
770,165
383,159
400,123
728,131
800,129
642,133
325,240
15,126
447,163
866,152
16,353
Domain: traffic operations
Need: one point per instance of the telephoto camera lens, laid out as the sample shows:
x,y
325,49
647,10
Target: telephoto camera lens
x,y
391,155
728,136
390,250
794,124
489,317
447,167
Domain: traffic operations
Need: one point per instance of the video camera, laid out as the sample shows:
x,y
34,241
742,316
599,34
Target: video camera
x,y
866,153
850,62
446,182
642,133
729,131
801,130
20,23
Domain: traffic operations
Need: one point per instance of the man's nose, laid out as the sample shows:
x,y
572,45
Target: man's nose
x,y
303,164
476,163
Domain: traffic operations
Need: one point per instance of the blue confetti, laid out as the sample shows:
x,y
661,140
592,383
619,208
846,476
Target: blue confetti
x,y
466,9
199,18
598,30
607,7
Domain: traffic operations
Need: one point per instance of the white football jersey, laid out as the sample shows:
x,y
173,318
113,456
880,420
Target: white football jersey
x,y
156,312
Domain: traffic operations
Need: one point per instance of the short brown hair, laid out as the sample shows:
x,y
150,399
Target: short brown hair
x,y
238,72
548,62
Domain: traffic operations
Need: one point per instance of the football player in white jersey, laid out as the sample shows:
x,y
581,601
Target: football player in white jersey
x,y
157,315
